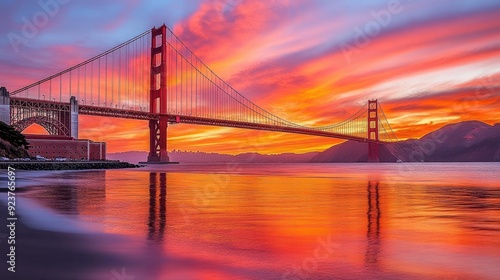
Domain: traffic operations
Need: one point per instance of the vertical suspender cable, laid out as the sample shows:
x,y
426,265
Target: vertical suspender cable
x,y
99,82
192,78
91,82
176,80
119,76
85,84
112,78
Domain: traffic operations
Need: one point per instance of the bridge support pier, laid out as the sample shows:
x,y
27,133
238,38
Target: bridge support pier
x,y
4,105
158,97
158,141
373,152
373,155
73,115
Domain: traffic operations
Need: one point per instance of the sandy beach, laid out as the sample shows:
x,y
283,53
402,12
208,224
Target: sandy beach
x,y
42,254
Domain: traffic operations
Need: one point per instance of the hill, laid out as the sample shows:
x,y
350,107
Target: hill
x,y
12,143
201,157
470,141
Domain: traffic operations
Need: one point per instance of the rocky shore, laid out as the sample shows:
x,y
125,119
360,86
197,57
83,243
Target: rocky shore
x,y
67,165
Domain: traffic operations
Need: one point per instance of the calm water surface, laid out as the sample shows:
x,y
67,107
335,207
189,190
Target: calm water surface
x,y
279,221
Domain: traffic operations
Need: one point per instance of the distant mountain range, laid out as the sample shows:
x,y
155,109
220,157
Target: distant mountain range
x,y
470,141
201,157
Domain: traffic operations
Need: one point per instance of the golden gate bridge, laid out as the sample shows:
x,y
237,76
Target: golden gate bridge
x,y
155,77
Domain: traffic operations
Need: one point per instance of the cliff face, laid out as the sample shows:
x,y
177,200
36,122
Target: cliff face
x,y
12,143
466,141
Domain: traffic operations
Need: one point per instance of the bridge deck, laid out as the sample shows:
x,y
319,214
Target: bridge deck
x,y
142,115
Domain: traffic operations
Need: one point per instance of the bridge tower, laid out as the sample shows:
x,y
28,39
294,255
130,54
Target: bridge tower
x,y
73,117
4,105
373,131
158,97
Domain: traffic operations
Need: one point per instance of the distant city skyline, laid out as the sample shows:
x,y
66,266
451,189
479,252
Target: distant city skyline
x,y
311,62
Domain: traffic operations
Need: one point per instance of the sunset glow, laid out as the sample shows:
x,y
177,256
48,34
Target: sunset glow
x,y
311,62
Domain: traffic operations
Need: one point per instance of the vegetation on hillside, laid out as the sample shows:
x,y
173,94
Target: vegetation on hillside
x,y
13,144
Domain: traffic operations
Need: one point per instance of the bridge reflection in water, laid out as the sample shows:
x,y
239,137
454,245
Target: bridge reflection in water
x,y
158,215
379,227
157,222
373,228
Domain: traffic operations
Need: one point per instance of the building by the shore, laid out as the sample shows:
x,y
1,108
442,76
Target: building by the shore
x,y
51,147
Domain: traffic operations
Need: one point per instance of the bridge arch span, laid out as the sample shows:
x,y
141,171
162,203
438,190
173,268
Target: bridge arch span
x,y
51,125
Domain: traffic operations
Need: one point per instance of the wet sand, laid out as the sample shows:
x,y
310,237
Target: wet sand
x,y
42,254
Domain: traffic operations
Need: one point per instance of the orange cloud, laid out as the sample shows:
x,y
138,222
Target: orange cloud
x,y
425,73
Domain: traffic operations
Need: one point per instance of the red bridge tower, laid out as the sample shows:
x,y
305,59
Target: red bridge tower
x,y
373,130
158,97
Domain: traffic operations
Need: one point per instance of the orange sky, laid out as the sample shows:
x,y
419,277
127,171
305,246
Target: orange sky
x,y
432,64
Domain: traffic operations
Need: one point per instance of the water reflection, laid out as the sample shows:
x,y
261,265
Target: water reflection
x,y
373,230
77,193
157,223
262,223
473,207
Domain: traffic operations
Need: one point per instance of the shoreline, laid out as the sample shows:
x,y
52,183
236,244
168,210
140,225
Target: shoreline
x,y
67,165
46,254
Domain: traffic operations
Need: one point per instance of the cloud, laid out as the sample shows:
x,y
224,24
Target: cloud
x,y
430,66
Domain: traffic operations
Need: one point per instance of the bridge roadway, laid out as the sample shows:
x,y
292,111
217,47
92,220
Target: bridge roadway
x,y
173,118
